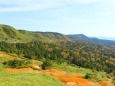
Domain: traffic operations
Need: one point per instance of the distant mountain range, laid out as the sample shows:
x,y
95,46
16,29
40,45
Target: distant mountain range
x,y
11,35
107,38
92,39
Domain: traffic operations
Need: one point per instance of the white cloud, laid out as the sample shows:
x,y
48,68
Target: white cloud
x,y
106,8
28,5
31,5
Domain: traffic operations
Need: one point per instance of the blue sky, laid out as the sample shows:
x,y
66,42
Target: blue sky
x,y
89,17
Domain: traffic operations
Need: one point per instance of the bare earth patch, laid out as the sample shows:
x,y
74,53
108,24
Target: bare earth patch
x,y
69,79
7,56
105,83
22,70
75,79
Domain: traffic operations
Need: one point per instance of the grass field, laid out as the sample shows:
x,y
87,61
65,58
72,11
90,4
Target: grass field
x,y
43,79
26,79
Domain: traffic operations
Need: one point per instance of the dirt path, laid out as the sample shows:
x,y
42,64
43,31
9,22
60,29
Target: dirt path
x,y
69,79
22,70
105,83
14,70
8,56
75,79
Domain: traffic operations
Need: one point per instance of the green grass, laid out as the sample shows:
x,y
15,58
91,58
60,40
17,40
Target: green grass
x,y
11,35
26,79
42,79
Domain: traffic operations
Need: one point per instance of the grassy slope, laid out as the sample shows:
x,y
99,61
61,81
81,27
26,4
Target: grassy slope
x,y
32,79
10,34
45,36
26,79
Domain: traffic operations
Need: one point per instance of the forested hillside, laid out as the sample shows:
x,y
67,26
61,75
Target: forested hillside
x,y
57,47
95,57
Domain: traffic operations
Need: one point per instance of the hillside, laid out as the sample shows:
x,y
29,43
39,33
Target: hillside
x,y
10,34
45,36
24,76
63,75
56,46
54,50
87,55
92,39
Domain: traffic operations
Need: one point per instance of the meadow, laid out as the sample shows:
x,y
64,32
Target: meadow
x,y
26,79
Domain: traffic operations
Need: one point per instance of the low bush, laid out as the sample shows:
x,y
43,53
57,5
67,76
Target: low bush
x,y
17,63
46,64
89,75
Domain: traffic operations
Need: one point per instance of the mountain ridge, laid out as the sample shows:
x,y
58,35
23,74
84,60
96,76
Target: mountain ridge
x,y
92,39
12,35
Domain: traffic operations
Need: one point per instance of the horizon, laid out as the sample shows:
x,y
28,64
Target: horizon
x,y
62,16
102,38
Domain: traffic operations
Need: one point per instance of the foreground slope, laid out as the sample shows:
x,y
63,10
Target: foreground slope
x,y
72,76
25,78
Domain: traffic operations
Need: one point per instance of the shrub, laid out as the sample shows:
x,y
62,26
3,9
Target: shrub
x,y
88,75
17,63
46,64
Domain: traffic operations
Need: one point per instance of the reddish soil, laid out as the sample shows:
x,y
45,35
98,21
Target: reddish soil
x,y
75,79
13,70
7,56
69,79
22,70
105,83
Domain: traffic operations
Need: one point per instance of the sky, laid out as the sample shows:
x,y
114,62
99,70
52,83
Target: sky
x,y
90,17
